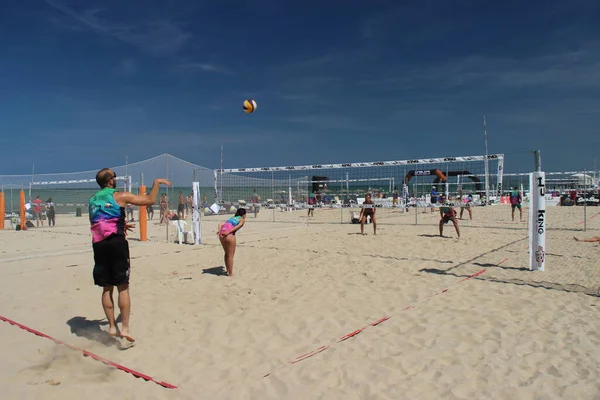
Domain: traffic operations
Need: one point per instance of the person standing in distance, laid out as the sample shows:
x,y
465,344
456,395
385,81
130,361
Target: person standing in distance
x,y
109,242
515,202
368,210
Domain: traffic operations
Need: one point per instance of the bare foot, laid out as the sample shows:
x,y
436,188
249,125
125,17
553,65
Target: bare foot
x,y
127,336
113,331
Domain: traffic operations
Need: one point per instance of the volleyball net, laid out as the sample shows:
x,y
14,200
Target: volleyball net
x,y
396,187
69,193
404,191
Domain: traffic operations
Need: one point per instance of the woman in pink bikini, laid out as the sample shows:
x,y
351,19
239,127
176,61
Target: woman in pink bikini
x,y
226,233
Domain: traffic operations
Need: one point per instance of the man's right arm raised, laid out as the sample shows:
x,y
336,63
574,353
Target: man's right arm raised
x,y
124,198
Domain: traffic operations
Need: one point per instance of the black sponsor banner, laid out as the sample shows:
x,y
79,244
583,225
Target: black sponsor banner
x,y
580,199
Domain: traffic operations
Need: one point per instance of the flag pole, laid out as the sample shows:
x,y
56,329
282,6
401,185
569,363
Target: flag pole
x,y
221,189
487,167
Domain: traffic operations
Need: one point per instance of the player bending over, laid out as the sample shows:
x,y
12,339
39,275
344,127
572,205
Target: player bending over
x,y
467,206
226,233
447,213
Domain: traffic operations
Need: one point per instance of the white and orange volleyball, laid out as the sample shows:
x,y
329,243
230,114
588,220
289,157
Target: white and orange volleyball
x,y
249,106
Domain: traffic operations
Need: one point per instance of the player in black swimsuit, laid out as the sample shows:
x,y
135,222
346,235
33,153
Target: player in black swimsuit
x,y
368,211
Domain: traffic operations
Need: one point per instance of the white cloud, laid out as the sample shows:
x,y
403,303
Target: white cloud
x,y
572,70
205,67
157,37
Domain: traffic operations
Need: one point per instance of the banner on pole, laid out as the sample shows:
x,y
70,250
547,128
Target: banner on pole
x,y
195,212
499,176
537,221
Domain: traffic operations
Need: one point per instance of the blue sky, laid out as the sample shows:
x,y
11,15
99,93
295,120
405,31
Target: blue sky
x,y
83,84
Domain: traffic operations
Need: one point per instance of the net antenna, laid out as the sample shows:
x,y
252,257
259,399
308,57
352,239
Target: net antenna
x,y
220,197
487,166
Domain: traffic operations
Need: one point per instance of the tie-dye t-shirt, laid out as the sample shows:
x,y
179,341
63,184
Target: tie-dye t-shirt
x,y
106,216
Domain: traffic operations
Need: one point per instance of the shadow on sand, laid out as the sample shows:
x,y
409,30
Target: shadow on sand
x,y
90,329
489,265
435,236
218,271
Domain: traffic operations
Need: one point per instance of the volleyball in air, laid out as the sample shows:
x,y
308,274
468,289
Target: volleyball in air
x,y
249,106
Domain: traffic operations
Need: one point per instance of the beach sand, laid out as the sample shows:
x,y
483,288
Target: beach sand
x,y
507,333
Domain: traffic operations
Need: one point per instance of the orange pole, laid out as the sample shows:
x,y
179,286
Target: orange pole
x,y
22,210
2,210
143,217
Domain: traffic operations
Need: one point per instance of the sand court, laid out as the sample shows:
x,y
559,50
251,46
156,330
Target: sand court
x,y
506,333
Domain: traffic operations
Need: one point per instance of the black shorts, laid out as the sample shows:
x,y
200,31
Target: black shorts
x,y
111,261
180,208
447,218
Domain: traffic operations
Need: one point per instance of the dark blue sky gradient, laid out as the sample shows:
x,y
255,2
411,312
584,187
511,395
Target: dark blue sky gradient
x,y
85,84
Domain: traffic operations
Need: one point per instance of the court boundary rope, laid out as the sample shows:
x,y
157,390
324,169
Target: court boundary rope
x,y
86,353
374,323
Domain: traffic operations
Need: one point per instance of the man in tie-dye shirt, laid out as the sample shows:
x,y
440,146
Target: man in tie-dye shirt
x,y
111,250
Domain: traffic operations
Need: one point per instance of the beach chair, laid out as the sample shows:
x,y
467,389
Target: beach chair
x,y
181,232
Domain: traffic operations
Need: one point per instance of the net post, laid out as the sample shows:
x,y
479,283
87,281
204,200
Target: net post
x,y
2,209
537,216
273,193
143,216
168,200
416,204
22,215
584,199
195,211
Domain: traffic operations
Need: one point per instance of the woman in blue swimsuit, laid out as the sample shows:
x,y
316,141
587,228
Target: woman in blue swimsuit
x,y
226,233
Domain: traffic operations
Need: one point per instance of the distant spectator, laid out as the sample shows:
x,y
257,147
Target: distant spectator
x,y
50,212
181,206
130,212
37,211
515,202
150,211
188,204
163,203
255,199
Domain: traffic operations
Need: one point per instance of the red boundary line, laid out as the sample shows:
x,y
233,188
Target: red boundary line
x,y
592,217
89,354
374,323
